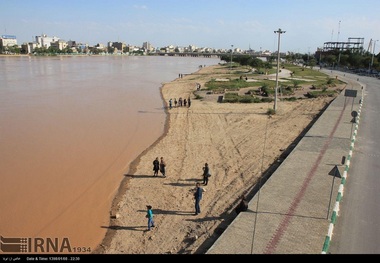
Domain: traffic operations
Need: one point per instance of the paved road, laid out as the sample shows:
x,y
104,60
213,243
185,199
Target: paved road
x,y
357,230
293,211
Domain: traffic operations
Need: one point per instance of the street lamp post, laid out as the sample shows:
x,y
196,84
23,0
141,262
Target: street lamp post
x,y
373,53
279,32
232,46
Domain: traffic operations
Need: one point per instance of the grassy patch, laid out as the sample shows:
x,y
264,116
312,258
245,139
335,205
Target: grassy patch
x,y
229,85
263,90
321,93
236,98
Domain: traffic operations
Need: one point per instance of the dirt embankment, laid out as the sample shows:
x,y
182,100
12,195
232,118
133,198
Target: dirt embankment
x,y
240,142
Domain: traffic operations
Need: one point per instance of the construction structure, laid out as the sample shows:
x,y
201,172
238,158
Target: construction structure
x,y
354,44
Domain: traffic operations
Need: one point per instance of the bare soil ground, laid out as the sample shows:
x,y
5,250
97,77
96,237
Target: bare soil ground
x,y
240,142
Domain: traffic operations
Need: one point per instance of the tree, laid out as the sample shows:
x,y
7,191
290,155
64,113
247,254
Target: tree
x,y
312,63
267,65
53,50
256,63
330,59
355,60
12,49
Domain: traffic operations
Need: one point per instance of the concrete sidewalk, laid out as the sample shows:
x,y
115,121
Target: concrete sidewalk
x,y
293,210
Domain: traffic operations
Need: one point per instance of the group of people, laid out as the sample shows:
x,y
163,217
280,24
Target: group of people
x,y
181,102
160,165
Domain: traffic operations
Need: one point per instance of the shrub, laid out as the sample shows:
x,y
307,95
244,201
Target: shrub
x,y
267,100
290,99
271,111
197,97
330,81
245,100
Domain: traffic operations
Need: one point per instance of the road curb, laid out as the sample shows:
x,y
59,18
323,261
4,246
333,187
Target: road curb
x,y
335,213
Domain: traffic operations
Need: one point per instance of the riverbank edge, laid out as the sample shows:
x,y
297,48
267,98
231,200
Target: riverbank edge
x,y
123,188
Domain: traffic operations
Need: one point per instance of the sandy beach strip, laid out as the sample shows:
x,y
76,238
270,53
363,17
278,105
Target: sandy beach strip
x,y
240,142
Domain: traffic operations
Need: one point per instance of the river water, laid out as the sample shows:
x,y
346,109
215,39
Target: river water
x,y
69,128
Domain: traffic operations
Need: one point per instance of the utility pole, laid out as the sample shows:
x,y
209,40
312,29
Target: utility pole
x,y
339,46
338,32
373,53
279,32
232,46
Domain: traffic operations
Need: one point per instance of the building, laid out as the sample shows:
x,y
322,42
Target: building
x,y
7,41
30,47
148,47
45,41
119,46
60,44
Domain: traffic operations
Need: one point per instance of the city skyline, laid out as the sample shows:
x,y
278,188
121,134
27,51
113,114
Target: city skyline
x,y
245,24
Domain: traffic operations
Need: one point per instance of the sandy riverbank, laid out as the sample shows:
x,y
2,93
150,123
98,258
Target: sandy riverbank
x,y
239,141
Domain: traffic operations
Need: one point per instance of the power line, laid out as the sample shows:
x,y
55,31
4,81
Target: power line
x,y
258,192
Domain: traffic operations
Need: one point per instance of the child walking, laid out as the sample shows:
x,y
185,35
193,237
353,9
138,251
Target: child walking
x,y
149,215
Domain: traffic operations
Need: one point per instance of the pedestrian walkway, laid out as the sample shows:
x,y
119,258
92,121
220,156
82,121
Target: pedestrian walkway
x,y
292,211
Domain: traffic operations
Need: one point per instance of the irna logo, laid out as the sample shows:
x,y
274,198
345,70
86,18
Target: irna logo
x,y
34,245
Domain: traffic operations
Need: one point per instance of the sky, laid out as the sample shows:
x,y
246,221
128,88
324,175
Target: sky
x,y
220,24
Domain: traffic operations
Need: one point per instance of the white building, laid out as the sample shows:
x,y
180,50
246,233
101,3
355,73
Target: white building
x,y
31,46
8,41
45,41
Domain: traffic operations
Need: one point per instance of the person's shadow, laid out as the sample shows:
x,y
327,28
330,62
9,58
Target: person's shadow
x,y
132,228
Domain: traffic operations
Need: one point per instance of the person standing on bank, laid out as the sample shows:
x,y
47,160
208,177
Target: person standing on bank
x,y
198,196
170,103
156,166
206,174
149,215
162,167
